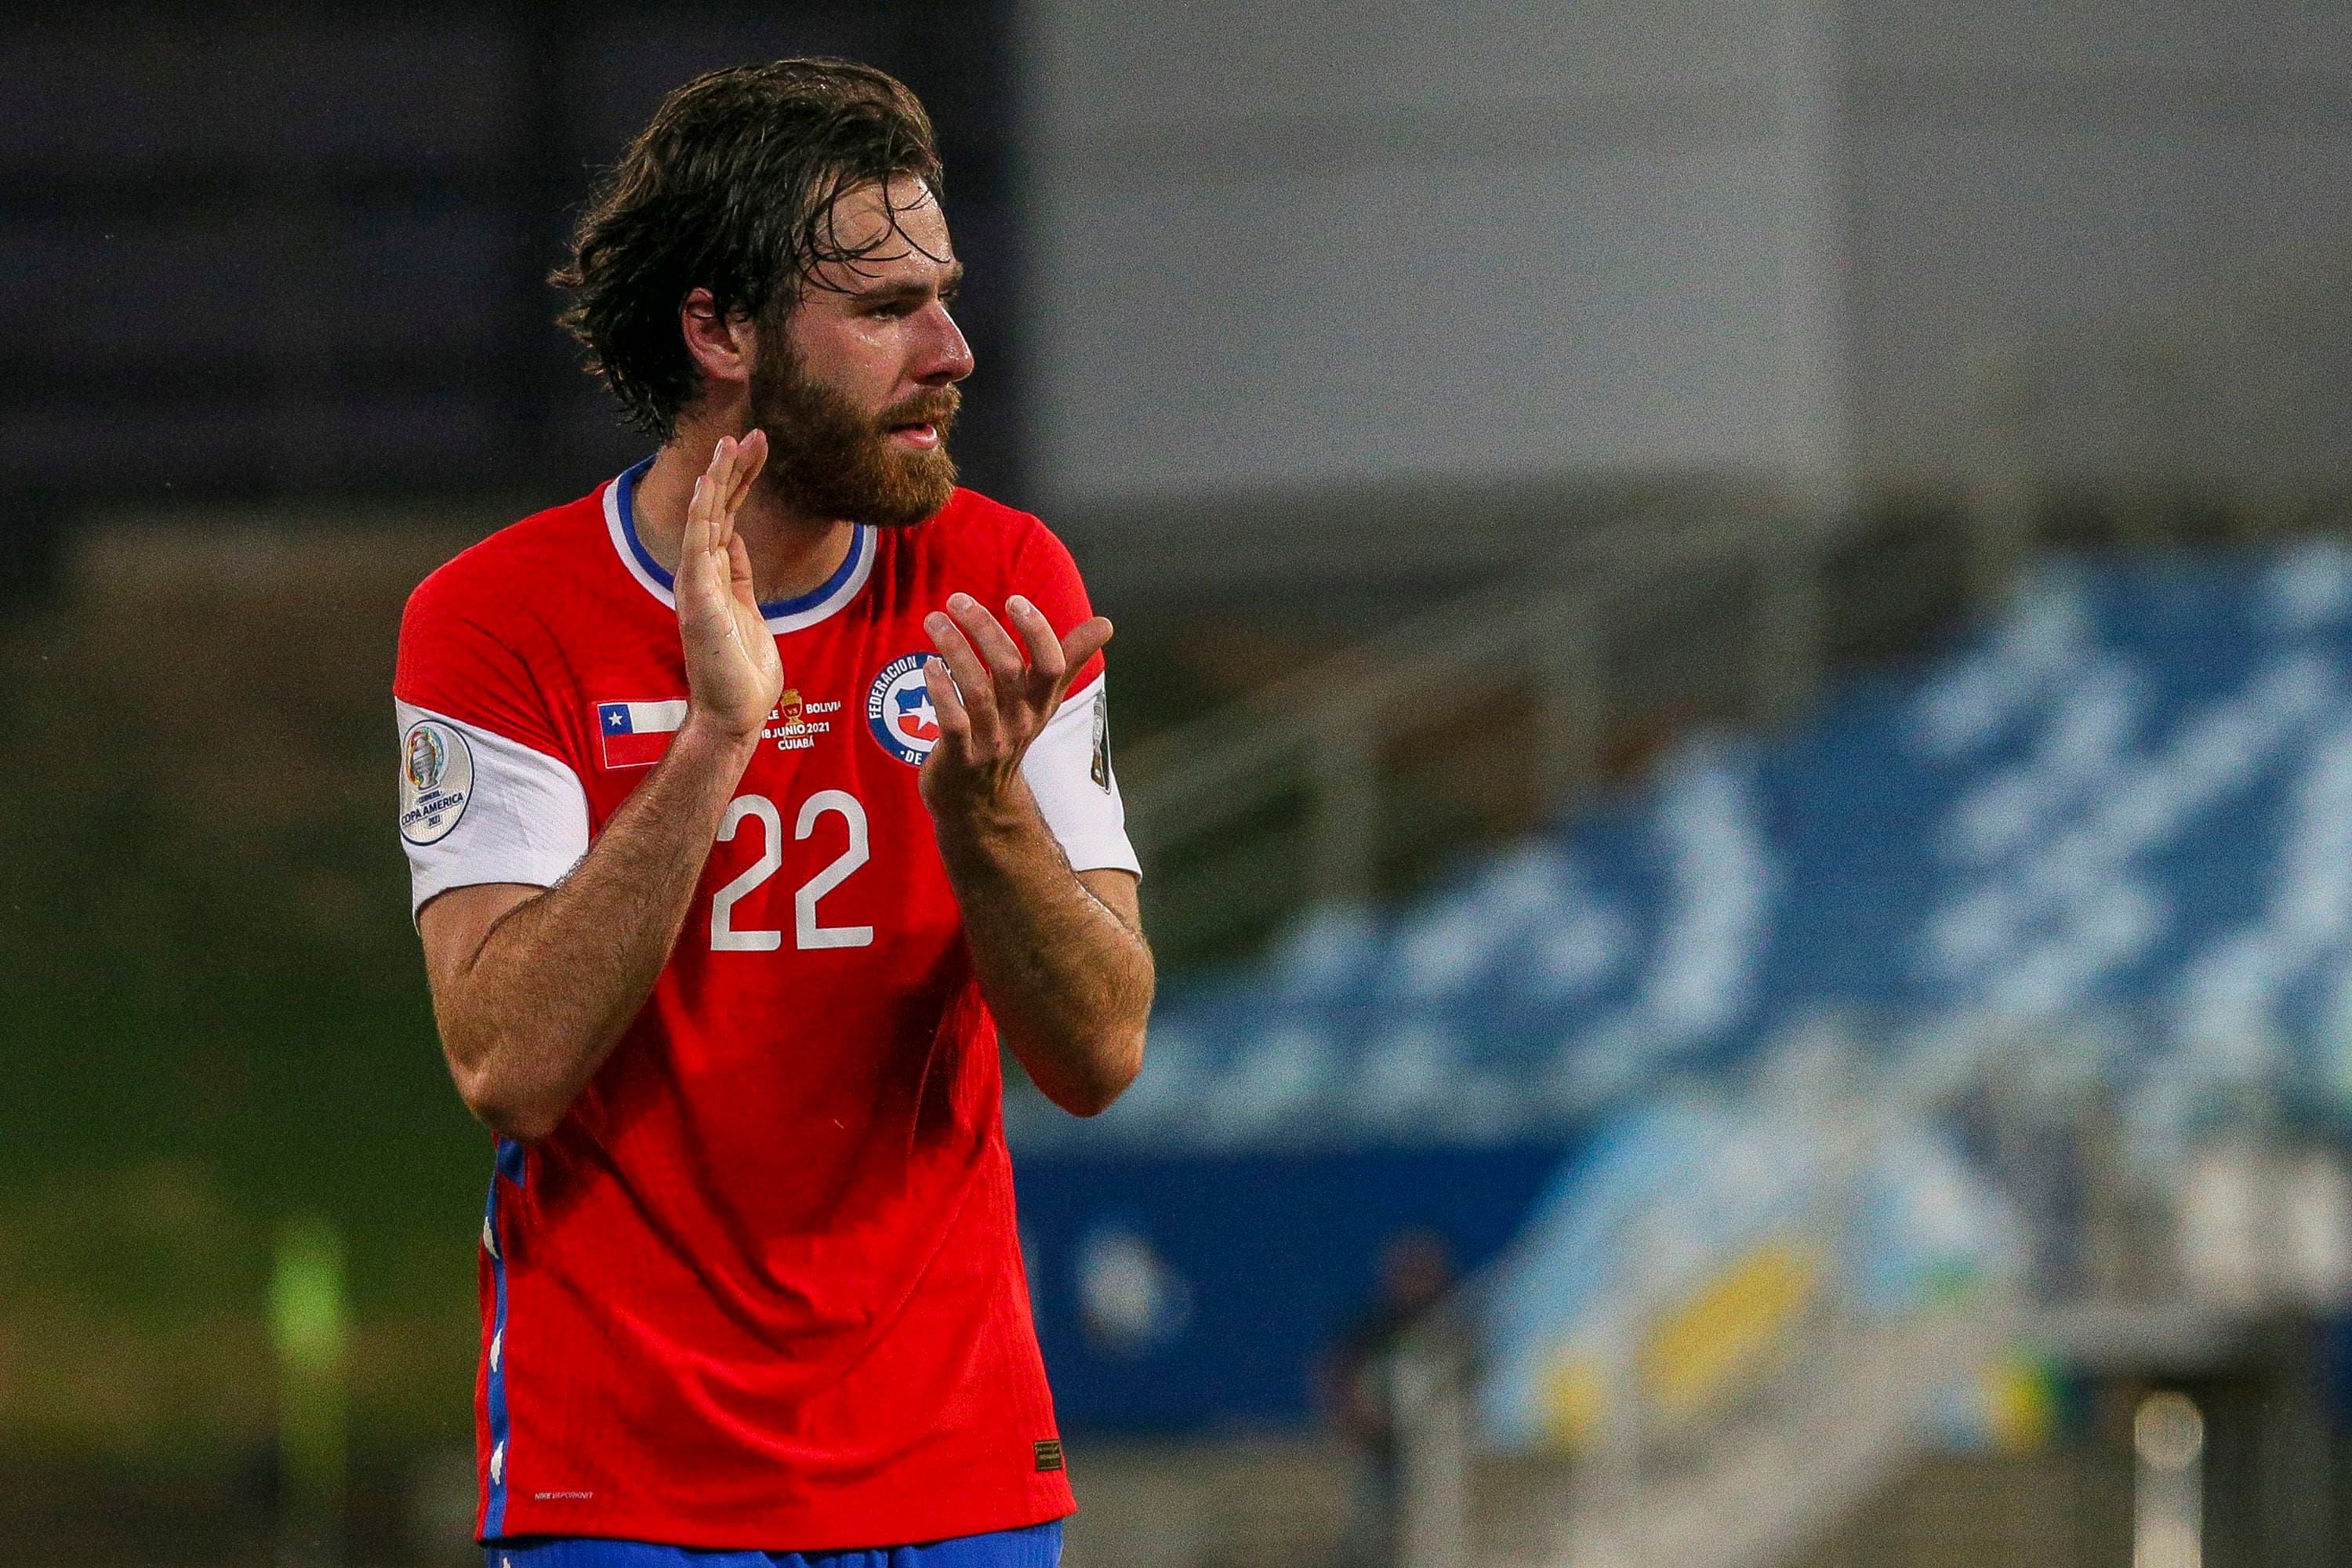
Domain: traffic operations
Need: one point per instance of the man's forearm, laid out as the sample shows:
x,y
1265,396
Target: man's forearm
x,y
558,977
1069,980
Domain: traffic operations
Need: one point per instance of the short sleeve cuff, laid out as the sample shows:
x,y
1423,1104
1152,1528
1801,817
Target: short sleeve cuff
x,y
477,807
1069,772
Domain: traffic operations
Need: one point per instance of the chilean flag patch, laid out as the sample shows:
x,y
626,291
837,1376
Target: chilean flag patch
x,y
637,733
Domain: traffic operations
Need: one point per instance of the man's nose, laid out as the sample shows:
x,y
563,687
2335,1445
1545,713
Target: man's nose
x,y
944,357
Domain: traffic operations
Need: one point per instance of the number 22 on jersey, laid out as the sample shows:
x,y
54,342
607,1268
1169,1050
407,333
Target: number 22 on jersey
x,y
808,933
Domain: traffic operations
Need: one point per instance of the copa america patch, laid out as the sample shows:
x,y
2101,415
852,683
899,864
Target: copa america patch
x,y
436,780
899,710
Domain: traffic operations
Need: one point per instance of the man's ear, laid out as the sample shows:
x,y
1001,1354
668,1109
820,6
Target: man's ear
x,y
724,347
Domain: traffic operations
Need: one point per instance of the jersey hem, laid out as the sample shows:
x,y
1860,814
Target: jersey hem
x,y
661,1531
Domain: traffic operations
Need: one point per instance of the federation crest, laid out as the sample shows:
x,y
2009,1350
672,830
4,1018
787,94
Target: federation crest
x,y
899,710
436,780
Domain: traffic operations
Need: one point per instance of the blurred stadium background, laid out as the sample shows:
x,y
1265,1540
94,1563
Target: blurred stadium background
x,y
1736,680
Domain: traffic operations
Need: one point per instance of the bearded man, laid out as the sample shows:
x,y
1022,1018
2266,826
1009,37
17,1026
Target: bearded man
x,y
771,791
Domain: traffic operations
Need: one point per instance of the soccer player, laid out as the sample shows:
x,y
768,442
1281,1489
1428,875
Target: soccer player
x,y
748,798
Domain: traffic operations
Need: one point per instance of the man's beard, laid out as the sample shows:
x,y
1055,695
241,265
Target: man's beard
x,y
826,460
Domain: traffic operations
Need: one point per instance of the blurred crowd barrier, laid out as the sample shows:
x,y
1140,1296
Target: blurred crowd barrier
x,y
1749,1311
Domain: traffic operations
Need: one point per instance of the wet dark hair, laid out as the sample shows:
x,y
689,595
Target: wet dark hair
x,y
728,188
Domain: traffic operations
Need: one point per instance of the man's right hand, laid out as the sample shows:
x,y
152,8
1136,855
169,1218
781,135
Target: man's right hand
x,y
733,676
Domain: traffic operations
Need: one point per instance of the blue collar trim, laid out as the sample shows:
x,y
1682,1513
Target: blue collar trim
x,y
628,504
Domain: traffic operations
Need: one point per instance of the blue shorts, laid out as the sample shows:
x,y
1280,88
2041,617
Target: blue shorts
x,y
1039,1546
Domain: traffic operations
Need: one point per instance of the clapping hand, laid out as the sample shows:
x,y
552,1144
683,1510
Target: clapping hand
x,y
733,674
994,696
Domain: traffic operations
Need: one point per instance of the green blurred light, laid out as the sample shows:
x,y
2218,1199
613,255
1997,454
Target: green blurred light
x,y
309,1321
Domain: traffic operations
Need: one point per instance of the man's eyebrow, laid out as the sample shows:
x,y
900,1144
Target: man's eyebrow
x,y
908,288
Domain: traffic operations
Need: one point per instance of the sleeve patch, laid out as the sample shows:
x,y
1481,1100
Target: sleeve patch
x,y
1100,770
475,806
437,780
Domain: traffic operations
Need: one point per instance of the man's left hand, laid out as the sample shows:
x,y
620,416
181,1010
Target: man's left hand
x,y
993,695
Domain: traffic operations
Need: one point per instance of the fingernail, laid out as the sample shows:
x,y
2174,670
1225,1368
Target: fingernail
x,y
935,622
961,601
720,450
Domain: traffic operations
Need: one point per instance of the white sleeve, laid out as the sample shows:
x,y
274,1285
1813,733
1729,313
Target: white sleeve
x,y
1068,770
477,807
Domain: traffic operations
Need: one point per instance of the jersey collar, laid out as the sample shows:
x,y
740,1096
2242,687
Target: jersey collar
x,y
784,615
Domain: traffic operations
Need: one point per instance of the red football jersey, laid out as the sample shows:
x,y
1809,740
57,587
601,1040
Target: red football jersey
x,y
761,1289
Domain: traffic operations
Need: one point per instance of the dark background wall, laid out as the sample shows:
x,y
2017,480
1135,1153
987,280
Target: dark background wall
x,y
290,252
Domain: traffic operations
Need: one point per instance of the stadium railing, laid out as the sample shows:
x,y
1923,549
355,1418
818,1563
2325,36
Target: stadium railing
x,y
1359,774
